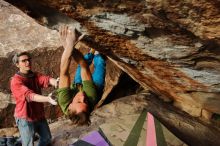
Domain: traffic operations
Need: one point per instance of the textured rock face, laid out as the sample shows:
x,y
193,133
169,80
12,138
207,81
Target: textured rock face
x,y
163,54
202,18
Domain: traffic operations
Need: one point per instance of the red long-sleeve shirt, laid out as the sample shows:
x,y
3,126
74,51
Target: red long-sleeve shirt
x,y
23,89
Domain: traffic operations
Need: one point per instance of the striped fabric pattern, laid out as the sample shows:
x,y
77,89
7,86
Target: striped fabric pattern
x,y
141,129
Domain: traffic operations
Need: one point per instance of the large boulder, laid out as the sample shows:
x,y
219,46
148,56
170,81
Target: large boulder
x,y
170,47
21,32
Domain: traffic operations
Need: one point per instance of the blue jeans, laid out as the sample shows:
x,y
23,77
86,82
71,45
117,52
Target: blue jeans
x,y
98,76
28,129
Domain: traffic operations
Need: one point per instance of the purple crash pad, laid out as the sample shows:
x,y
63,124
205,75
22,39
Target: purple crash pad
x,y
95,138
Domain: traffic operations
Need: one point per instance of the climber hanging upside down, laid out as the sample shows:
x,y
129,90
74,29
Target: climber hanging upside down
x,y
78,99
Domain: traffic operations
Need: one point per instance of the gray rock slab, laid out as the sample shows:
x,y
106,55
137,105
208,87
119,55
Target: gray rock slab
x,y
22,33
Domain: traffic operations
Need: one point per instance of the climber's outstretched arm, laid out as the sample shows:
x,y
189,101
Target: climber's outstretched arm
x,y
68,40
